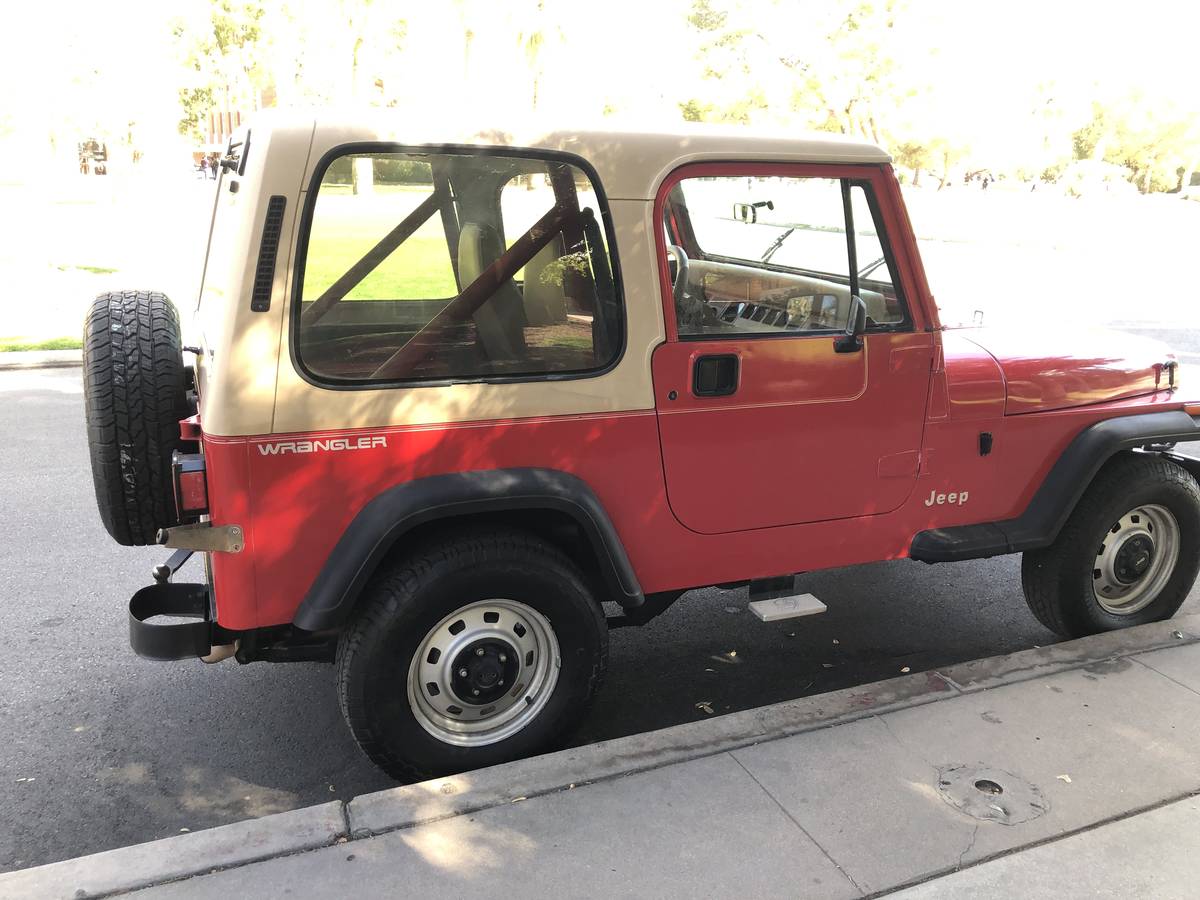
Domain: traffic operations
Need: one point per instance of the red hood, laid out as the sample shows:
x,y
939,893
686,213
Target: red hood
x,y
1052,370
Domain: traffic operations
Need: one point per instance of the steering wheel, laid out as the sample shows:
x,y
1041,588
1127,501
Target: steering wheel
x,y
681,272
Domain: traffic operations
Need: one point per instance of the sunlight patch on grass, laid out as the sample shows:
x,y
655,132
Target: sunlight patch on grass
x,y
95,270
13,345
419,269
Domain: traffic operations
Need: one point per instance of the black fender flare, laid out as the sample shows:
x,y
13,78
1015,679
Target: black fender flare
x,y
1054,501
386,518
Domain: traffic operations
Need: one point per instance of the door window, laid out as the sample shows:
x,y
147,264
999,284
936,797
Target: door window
x,y
770,256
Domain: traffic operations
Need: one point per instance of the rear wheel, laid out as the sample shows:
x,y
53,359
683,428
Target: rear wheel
x,y
1128,554
476,650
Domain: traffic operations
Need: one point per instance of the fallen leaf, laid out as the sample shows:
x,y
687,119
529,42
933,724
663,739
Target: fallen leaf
x,y
184,829
519,799
826,665
836,641
731,654
905,669
1066,778
706,706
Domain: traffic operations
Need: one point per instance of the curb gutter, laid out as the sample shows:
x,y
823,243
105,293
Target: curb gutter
x,y
175,858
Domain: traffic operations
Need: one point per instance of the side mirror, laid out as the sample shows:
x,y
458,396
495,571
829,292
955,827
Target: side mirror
x,y
748,212
856,323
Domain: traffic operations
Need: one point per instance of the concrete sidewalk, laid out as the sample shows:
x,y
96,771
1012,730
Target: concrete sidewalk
x,y
1069,770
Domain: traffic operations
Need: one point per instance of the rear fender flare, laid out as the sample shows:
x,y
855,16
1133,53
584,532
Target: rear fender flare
x,y
385,519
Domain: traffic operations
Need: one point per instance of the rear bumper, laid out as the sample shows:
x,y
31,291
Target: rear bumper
x,y
173,640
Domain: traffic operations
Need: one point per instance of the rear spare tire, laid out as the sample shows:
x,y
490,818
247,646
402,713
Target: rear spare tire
x,y
135,392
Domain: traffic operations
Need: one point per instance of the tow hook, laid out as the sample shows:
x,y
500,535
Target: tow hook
x,y
166,571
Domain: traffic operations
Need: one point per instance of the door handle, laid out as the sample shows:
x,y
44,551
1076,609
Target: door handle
x,y
716,375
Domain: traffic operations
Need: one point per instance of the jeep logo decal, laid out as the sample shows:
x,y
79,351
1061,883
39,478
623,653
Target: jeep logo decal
x,y
320,445
955,499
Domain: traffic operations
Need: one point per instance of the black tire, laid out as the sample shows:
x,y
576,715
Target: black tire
x,y
135,393
407,599
1058,580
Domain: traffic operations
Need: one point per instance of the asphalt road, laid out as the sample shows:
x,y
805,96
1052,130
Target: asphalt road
x,y
101,749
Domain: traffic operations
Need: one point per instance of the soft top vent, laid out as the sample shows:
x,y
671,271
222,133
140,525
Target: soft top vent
x,y
264,274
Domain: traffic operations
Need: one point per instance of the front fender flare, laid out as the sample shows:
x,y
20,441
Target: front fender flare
x,y
390,515
1054,501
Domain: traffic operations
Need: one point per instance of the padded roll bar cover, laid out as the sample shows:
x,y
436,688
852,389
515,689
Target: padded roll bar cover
x,y
389,516
1054,501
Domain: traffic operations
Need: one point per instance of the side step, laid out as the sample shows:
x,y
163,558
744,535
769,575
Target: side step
x,y
772,599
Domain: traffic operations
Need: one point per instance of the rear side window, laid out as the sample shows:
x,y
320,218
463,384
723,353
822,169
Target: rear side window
x,y
455,266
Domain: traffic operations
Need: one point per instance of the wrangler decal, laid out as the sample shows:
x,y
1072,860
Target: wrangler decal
x,y
319,445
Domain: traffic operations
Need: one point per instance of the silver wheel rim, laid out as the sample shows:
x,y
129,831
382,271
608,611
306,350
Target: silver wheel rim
x,y
504,650
1135,560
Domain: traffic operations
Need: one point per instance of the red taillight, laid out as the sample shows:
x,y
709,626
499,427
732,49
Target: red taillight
x,y
191,485
193,492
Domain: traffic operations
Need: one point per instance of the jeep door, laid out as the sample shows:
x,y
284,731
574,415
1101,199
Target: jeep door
x,y
768,414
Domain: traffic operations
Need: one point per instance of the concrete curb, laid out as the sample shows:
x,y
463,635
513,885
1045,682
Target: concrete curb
x,y
441,798
175,858
40,359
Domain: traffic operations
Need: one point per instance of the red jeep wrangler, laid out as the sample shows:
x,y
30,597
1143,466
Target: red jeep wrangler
x,y
453,393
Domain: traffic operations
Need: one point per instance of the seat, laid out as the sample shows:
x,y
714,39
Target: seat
x,y
500,321
545,290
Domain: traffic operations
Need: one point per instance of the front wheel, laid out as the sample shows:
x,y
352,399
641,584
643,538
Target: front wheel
x,y
476,650
1128,554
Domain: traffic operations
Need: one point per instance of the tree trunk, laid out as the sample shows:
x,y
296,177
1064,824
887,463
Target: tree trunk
x,y
364,175
917,177
1185,178
874,129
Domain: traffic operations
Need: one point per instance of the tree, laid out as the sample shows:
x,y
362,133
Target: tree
x,y
221,50
536,28
1157,142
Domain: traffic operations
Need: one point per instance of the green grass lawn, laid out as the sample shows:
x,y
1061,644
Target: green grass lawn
x,y
13,345
95,270
419,269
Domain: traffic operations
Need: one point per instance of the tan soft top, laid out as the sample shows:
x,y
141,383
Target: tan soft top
x,y
244,395
631,164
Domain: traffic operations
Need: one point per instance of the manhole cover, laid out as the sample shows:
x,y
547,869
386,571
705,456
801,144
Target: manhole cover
x,y
990,794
